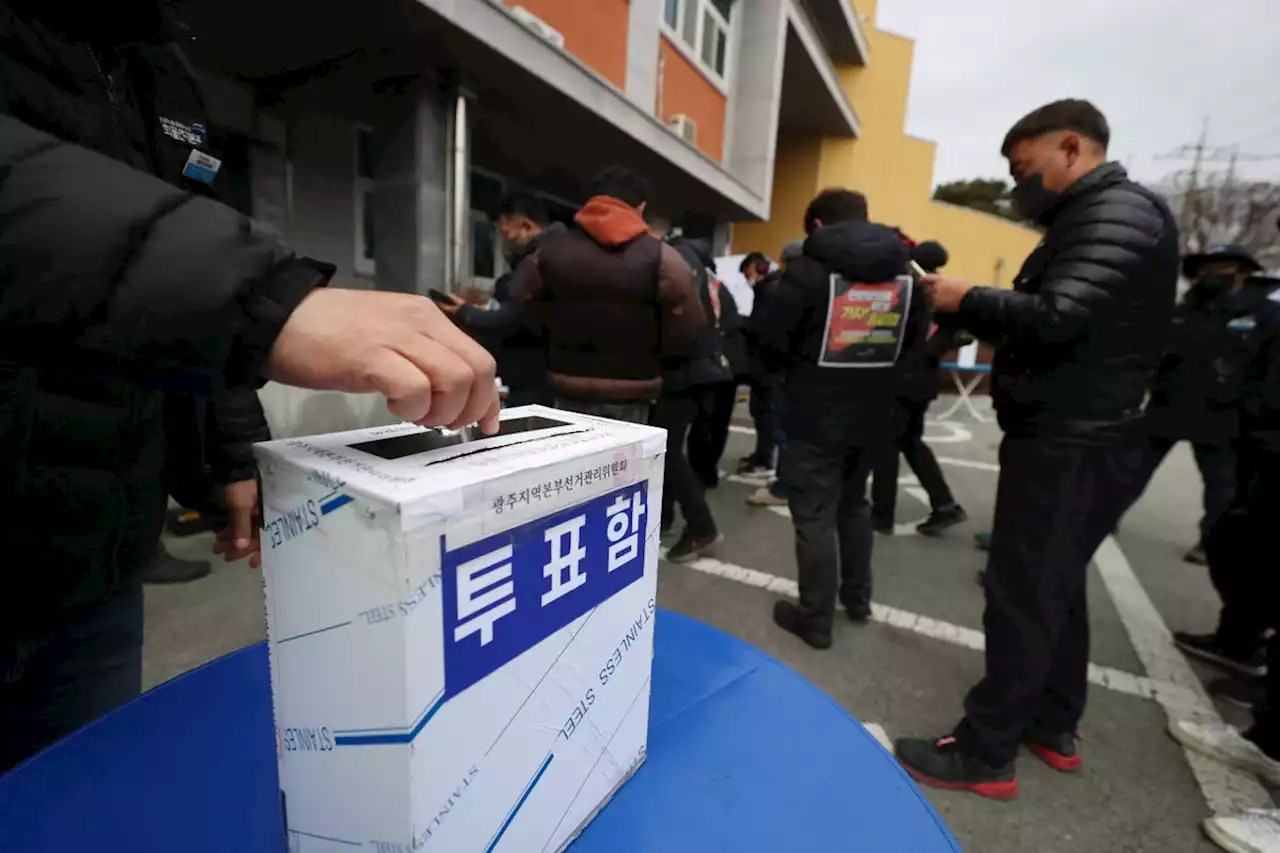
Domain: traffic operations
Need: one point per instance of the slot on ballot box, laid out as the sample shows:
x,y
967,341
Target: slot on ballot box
x,y
460,628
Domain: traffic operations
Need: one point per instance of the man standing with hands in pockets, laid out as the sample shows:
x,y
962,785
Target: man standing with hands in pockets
x,y
1077,341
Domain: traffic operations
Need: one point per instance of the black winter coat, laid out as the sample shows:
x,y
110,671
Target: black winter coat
x,y
709,363
1197,390
1260,389
830,405
521,355
1078,338
115,287
759,364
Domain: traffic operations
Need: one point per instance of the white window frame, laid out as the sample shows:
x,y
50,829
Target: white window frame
x,y
693,52
363,264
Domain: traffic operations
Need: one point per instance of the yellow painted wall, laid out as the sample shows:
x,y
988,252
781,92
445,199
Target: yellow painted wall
x,y
893,170
795,183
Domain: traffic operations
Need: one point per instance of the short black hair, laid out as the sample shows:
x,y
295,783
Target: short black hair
x,y
752,261
1081,116
524,204
623,184
930,255
834,205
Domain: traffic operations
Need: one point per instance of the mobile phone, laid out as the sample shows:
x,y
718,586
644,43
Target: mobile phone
x,y
439,296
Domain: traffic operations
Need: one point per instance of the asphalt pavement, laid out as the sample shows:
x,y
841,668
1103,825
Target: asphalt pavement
x,y
905,674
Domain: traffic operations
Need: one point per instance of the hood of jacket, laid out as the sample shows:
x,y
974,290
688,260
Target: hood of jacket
x,y
695,248
610,222
859,251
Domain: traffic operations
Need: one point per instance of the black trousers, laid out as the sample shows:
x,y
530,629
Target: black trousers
x,y
674,413
1217,464
909,436
1246,580
52,685
1250,584
1054,505
709,432
827,488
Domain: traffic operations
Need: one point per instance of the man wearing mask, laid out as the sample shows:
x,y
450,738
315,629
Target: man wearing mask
x,y
1196,393
761,380
844,312
1243,535
104,323
917,387
1077,341
522,357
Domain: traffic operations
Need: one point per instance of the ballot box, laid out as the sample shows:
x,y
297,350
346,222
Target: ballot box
x,y
460,629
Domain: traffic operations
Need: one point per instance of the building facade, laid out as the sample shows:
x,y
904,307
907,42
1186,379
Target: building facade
x,y
382,138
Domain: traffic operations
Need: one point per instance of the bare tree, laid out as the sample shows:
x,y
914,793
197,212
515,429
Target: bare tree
x,y
1223,209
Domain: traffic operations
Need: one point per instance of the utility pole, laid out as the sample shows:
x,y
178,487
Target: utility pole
x,y
1190,201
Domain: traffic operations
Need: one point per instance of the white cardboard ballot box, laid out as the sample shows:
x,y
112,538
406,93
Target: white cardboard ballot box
x,y
460,628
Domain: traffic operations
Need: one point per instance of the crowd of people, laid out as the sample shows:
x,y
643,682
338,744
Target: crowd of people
x,y
128,371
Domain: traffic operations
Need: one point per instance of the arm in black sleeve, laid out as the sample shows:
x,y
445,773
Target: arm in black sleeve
x,y
786,312
235,422
107,269
1099,257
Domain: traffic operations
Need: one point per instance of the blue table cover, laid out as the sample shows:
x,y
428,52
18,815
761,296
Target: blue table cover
x,y
744,755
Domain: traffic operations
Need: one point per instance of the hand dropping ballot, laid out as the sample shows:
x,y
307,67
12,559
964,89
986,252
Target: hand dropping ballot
x,y
461,629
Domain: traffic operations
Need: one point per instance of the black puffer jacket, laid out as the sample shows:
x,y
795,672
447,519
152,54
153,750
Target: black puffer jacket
x,y
708,364
1197,390
115,287
835,405
1260,389
1079,336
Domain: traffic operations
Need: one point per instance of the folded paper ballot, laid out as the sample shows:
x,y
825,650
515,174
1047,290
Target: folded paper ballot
x,y
460,628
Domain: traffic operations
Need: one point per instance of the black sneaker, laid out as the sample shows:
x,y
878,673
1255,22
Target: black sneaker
x,y
1059,750
165,568
1196,556
940,763
1240,692
859,611
690,547
750,467
884,528
813,629
940,519
1206,648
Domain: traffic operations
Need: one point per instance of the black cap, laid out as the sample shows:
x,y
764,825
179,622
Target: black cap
x,y
1192,264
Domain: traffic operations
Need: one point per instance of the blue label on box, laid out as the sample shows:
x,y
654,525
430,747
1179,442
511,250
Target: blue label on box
x,y
505,594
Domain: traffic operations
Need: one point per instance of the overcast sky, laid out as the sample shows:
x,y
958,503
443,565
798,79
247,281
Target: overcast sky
x,y
1156,68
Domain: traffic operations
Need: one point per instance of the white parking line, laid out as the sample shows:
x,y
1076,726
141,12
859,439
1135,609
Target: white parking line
x,y
1225,790
882,737
1103,676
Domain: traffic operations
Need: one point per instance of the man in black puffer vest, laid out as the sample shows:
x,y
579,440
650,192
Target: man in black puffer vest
x,y
137,316
613,303
1077,341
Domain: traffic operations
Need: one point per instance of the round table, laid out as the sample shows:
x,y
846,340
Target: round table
x,y
744,755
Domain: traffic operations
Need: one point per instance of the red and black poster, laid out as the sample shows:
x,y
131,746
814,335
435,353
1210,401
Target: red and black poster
x,y
865,322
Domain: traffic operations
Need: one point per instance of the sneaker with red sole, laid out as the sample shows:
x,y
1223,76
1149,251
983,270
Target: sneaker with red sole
x,y
941,764
1059,751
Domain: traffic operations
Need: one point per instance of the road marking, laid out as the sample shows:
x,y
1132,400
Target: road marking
x,y
882,737
1117,680
1226,791
956,434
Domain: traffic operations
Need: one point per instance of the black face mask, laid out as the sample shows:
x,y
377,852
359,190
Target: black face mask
x,y
1216,283
1031,200
513,249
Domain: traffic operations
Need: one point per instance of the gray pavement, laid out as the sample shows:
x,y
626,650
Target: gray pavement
x,y
1136,792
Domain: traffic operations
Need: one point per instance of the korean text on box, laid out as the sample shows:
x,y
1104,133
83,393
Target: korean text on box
x,y
461,631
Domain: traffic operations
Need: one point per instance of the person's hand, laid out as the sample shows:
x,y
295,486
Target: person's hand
x,y
451,309
946,293
395,344
240,538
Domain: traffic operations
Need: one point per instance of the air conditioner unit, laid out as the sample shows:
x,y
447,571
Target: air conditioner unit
x,y
684,127
539,26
